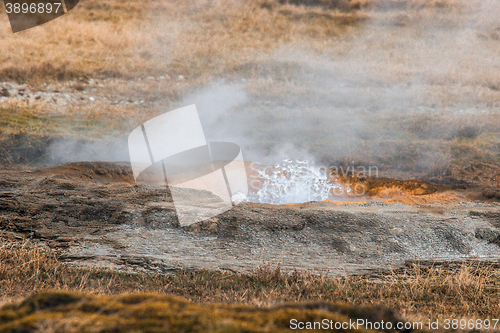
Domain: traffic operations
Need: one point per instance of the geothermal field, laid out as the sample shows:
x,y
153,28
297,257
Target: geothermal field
x,y
369,166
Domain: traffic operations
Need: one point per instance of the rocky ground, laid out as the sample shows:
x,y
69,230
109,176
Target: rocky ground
x,y
93,214
79,92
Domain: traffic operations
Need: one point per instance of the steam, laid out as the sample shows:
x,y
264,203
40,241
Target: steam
x,y
214,104
373,94
74,150
347,100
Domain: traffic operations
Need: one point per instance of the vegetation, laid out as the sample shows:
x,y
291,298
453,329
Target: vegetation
x,y
76,312
131,38
419,293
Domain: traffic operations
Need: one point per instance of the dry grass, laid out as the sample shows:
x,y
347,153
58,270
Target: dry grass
x,y
436,145
95,39
418,4
133,38
465,291
434,3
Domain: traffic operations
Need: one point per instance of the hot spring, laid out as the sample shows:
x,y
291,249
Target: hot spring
x,y
291,182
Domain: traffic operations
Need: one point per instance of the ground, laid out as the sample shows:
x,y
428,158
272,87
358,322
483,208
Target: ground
x,y
408,90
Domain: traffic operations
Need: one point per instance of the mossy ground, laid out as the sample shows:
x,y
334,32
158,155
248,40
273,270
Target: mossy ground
x,y
66,311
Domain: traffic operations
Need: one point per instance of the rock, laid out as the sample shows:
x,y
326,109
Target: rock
x,y
492,193
4,93
101,171
489,194
486,234
89,165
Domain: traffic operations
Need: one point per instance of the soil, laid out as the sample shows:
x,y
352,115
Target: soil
x,y
92,213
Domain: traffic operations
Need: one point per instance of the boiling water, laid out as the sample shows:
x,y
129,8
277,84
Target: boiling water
x,y
292,182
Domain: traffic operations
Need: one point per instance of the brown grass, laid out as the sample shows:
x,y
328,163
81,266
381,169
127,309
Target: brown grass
x,y
134,38
434,3
419,293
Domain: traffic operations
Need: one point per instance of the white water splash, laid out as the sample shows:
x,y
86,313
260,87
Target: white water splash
x,y
291,182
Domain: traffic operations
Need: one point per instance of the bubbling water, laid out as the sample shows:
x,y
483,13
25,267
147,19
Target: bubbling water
x,y
291,182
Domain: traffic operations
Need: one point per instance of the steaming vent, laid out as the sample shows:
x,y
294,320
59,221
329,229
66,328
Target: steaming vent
x,y
292,182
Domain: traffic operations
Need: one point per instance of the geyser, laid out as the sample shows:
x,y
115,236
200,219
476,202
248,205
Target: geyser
x,y
292,182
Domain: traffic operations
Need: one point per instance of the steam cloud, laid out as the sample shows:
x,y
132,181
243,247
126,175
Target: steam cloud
x,y
419,62
320,105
